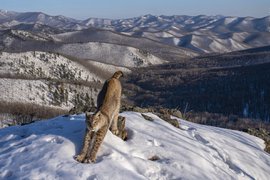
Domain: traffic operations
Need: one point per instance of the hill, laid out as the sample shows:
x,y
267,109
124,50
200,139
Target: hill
x,y
232,83
154,150
36,84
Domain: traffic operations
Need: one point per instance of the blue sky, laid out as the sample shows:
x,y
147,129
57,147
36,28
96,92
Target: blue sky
x,y
82,9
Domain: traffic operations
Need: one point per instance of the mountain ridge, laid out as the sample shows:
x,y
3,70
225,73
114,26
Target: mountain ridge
x,y
209,33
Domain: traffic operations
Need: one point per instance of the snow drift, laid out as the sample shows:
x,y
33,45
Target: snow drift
x,y
45,150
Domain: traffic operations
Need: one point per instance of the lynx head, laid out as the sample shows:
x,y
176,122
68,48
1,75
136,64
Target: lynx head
x,y
95,121
118,74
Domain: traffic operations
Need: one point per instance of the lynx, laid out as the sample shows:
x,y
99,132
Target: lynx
x,y
97,125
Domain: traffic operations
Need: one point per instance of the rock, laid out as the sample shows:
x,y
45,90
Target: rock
x,y
148,118
168,119
140,110
126,107
163,113
121,128
267,146
154,158
166,116
263,134
176,113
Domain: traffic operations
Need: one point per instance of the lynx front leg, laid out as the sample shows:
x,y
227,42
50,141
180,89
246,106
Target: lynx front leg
x,y
85,149
99,137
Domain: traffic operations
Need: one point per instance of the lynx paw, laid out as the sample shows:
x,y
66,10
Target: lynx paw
x,y
89,160
115,132
80,158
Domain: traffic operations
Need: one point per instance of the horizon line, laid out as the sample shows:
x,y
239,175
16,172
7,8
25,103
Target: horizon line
x,y
81,19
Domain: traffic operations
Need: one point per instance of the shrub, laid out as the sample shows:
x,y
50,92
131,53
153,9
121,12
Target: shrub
x,y
24,113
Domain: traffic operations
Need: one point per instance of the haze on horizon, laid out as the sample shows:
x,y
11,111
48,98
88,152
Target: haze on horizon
x,y
83,9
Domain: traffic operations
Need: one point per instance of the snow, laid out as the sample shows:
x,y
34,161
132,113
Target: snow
x,y
229,20
46,149
19,90
39,92
240,36
109,68
109,54
25,77
176,41
28,77
30,36
47,63
226,45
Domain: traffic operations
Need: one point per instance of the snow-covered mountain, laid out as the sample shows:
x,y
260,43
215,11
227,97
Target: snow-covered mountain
x,y
203,34
154,150
200,33
10,19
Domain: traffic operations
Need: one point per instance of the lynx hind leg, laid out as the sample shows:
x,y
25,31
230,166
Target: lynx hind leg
x,y
99,137
114,125
85,149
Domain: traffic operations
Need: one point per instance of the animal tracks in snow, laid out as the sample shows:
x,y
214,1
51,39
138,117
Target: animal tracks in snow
x,y
52,139
153,142
216,153
155,150
194,133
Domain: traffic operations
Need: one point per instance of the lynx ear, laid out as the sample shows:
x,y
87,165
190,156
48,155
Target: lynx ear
x,y
121,74
118,74
98,113
88,115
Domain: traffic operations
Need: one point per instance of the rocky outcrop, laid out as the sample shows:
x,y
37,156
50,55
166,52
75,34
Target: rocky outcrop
x,y
163,113
263,134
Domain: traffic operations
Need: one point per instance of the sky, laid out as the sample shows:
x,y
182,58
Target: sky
x,y
114,9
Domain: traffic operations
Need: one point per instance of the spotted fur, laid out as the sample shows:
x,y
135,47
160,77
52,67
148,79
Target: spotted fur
x,y
106,117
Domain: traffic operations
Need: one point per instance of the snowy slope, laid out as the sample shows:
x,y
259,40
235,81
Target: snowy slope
x,y
45,150
110,54
44,65
39,77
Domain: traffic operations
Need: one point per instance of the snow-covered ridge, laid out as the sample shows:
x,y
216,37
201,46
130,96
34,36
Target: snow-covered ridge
x,y
45,150
38,77
44,65
44,93
114,54
30,36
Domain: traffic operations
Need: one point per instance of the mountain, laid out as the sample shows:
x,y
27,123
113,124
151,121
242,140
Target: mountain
x,y
146,49
154,150
202,34
76,46
10,19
